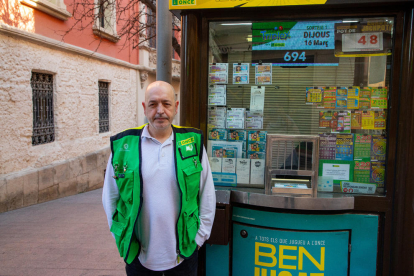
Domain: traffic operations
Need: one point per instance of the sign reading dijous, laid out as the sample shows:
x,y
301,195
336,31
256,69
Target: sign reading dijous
x,y
272,252
294,43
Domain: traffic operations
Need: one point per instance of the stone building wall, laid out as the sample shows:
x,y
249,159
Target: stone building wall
x,y
76,160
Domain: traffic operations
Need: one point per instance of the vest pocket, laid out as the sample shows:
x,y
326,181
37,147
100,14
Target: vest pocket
x,y
192,180
191,225
125,183
118,227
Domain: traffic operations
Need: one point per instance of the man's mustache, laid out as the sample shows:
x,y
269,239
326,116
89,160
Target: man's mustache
x,y
161,117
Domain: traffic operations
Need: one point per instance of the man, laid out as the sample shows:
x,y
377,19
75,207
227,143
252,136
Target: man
x,y
158,193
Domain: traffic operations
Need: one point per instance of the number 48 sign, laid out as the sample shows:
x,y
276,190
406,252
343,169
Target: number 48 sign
x,y
362,42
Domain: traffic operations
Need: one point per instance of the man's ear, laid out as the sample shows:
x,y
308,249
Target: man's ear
x,y
143,105
176,106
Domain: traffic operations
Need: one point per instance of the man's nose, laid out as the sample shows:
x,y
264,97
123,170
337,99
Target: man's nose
x,y
160,108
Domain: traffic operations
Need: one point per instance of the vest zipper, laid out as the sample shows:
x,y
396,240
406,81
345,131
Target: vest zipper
x,y
140,202
181,194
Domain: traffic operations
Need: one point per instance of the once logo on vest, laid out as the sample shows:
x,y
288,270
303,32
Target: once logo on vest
x,y
189,147
124,147
186,141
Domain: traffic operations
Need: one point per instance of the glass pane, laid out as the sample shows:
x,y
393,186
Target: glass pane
x,y
329,78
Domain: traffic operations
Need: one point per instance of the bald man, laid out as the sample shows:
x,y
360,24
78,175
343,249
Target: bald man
x,y
158,193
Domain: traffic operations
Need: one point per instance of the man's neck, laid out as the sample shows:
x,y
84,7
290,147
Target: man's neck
x,y
160,134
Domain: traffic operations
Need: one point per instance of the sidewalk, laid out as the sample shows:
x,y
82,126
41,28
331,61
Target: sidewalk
x,y
67,236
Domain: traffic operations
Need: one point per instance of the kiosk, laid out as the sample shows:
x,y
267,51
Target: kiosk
x,y
306,107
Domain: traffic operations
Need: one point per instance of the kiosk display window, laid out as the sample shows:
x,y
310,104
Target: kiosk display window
x,y
327,78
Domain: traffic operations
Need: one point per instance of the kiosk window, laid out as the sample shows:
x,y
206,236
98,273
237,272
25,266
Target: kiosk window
x,y
329,78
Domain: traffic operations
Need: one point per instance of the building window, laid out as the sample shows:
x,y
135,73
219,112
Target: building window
x,y
103,107
43,120
151,28
56,8
105,20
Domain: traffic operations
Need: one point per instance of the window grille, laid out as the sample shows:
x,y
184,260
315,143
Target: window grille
x,y
43,122
103,107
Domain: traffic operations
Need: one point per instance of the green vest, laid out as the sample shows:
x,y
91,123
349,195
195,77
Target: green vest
x,y
126,161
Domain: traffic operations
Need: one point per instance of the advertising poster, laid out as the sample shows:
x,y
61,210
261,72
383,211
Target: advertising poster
x,y
257,97
339,170
228,165
363,39
243,170
215,164
271,252
257,170
294,43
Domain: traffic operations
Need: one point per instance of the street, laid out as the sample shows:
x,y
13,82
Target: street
x,y
67,236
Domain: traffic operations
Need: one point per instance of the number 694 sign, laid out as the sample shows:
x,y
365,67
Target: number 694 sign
x,y
355,42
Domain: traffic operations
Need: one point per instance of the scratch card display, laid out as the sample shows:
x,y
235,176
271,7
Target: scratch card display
x,y
328,98
217,134
362,172
365,98
344,147
256,147
380,118
378,147
356,119
314,94
257,136
256,155
327,146
217,95
263,73
344,122
362,147
237,135
218,73
368,119
224,152
241,79
378,173
241,73
341,97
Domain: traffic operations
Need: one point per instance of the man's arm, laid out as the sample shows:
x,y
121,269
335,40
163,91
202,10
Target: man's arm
x,y
110,193
207,202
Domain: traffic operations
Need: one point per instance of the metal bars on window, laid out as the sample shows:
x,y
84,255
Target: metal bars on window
x,y
103,107
43,119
